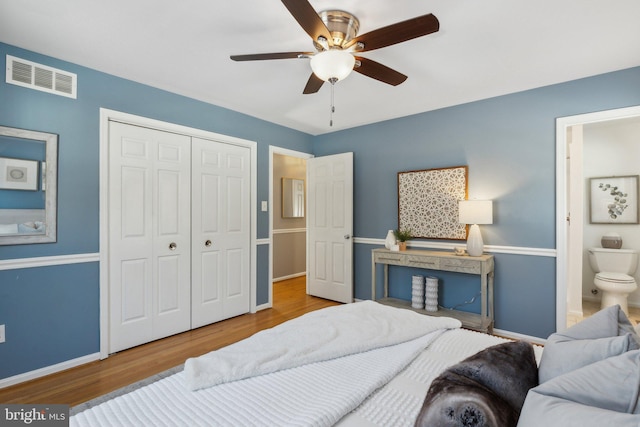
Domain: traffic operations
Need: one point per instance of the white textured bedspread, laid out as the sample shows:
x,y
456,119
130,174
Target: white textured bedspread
x,y
314,337
318,394
295,397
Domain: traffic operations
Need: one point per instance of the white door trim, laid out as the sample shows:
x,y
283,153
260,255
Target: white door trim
x,y
562,200
285,152
107,115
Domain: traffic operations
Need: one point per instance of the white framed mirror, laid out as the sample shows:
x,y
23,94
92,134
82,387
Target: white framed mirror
x,y
28,186
292,198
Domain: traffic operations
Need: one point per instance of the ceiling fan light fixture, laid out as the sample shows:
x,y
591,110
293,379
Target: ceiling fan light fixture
x,y
332,64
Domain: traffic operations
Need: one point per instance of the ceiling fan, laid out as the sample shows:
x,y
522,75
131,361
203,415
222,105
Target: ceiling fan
x,y
335,38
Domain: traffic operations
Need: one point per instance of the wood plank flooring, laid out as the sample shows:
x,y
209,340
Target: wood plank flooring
x,y
83,383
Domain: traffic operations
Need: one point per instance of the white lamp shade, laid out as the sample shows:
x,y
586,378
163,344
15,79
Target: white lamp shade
x,y
334,63
475,212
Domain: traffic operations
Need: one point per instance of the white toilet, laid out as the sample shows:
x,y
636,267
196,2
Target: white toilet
x,y
614,269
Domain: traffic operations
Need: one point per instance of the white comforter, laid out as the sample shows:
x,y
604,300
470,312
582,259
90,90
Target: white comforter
x,y
315,337
314,380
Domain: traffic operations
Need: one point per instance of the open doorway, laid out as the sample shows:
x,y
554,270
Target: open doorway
x,y
288,223
584,143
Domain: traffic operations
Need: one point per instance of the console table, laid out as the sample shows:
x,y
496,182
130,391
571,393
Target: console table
x,y
439,261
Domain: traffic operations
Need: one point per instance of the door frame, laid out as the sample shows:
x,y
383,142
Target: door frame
x,y
107,115
284,152
563,207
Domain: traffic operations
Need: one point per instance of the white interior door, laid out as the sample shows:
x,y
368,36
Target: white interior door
x,y
149,235
220,231
330,227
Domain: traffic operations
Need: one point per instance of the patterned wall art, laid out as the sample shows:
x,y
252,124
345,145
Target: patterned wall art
x,y
614,200
428,202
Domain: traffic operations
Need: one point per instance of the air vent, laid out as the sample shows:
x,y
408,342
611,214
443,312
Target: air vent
x,y
40,77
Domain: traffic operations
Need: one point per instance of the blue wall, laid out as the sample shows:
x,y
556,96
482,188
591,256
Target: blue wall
x,y
508,143
38,337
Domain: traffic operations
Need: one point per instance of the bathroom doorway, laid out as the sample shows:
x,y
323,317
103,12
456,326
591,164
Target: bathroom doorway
x,y
580,140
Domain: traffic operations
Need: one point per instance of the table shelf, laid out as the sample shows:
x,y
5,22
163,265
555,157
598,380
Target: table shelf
x,y
483,266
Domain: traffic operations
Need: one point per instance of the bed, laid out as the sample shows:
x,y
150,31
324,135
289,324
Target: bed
x,y
378,373
22,221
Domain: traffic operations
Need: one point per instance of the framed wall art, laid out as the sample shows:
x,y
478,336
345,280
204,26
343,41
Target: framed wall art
x,y
428,202
613,200
18,174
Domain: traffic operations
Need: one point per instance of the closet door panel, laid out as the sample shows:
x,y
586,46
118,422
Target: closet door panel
x,y
131,239
134,280
209,199
172,240
237,236
221,181
234,269
234,205
149,241
168,213
210,268
134,221
168,285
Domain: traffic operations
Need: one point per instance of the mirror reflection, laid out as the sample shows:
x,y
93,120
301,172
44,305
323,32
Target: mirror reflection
x,y
292,198
28,187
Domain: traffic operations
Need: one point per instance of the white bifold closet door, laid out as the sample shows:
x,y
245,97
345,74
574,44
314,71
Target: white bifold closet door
x,y
220,246
150,235
179,233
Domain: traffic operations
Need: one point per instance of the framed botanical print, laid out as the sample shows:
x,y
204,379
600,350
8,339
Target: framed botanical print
x,y
613,200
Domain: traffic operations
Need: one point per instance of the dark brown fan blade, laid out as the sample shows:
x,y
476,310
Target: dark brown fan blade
x,y
380,72
313,85
308,19
264,56
397,33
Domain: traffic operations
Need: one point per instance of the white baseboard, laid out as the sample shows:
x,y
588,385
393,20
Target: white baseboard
x,y
48,370
263,306
517,336
290,276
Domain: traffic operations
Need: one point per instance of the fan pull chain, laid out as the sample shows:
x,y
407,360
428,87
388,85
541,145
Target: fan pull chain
x,y
333,81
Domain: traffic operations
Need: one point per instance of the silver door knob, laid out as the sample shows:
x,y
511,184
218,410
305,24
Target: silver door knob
x,y
347,237
172,246
207,243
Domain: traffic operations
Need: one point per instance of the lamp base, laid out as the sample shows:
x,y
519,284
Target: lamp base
x,y
475,245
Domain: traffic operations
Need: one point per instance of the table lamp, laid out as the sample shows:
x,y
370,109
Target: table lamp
x,y
475,212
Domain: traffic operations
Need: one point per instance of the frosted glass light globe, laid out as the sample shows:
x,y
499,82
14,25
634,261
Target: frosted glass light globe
x,y
332,64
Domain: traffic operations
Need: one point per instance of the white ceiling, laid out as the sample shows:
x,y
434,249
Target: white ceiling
x,y
483,49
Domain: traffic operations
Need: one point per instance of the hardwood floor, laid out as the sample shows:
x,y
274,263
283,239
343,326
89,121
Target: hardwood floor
x,y
83,383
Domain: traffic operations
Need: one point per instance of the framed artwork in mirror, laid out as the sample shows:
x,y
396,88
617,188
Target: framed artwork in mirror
x,y
428,202
18,174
